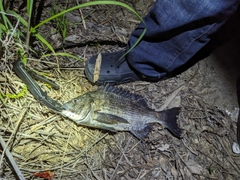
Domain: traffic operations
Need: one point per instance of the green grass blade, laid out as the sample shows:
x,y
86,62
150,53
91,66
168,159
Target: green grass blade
x,y
6,22
136,43
29,12
33,30
24,22
3,28
87,5
4,18
97,3
29,8
44,41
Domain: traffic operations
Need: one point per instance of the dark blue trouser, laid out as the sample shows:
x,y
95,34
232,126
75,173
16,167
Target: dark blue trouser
x,y
176,31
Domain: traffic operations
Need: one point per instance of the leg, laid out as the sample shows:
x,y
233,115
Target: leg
x,y
176,31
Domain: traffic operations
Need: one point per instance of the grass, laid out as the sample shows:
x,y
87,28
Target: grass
x,y
20,31
6,25
61,22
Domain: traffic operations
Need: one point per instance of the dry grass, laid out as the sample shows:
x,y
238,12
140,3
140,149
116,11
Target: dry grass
x,y
40,140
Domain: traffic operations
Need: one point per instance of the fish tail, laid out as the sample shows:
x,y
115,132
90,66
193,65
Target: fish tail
x,y
170,121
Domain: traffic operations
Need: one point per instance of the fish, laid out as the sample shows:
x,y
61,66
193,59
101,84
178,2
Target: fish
x,y
115,109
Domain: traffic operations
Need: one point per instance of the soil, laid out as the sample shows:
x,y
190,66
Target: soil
x,y
42,141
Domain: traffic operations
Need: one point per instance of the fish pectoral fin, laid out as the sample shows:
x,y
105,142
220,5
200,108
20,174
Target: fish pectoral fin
x,y
109,118
141,133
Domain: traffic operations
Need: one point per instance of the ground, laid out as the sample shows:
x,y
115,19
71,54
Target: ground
x,y
40,140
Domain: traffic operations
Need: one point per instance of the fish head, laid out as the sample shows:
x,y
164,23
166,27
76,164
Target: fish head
x,y
78,109
74,104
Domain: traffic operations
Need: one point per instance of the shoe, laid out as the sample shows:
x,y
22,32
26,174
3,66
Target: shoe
x,y
113,69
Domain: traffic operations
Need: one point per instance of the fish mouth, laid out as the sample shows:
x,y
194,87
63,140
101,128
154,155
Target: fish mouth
x,y
65,107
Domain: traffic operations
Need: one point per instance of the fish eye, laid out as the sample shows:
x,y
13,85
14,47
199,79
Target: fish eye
x,y
75,100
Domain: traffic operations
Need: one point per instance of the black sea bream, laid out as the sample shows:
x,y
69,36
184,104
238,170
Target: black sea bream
x,y
115,109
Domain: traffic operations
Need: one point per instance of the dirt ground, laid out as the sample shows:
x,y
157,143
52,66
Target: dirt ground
x,y
41,140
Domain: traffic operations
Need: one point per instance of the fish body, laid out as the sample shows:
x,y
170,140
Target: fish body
x,y
115,109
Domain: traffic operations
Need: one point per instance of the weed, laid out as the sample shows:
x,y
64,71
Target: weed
x,y
61,21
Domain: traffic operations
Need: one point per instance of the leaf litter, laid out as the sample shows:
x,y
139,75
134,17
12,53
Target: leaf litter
x,y
43,142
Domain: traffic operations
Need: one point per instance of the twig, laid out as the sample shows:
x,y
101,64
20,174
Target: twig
x,y
184,162
123,155
176,91
186,146
14,133
170,99
10,158
181,85
16,130
64,153
82,17
94,174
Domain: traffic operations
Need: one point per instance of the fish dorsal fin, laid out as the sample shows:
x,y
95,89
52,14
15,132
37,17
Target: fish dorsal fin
x,y
124,93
